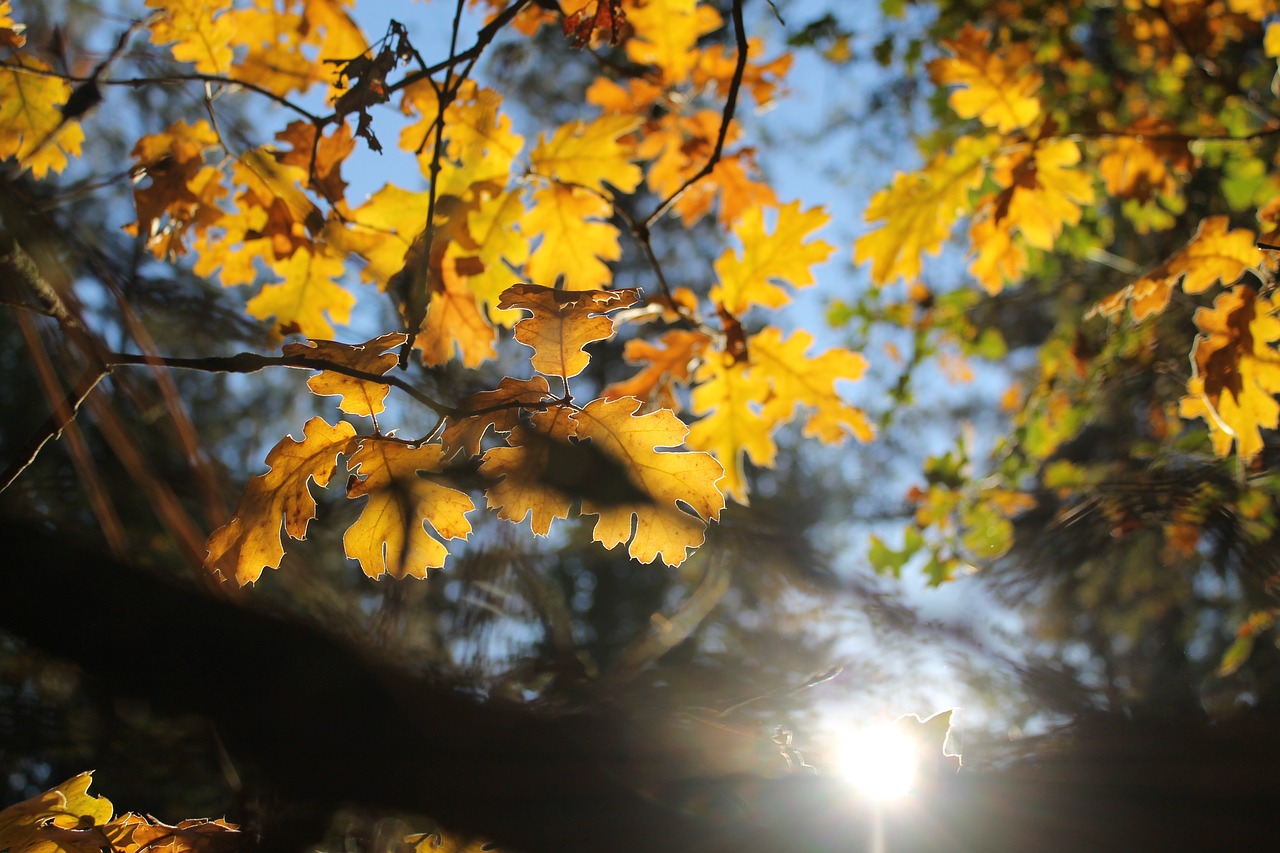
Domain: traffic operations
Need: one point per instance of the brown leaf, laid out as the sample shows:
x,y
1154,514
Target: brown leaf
x,y
563,322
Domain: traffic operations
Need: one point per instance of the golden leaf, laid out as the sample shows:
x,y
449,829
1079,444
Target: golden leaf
x,y
666,479
1044,192
1139,167
572,241
919,209
250,542
563,322
490,250
499,409
30,115
606,457
589,154
11,32
307,299
320,160
732,427
799,380
781,256
1216,253
33,824
389,536
998,90
1236,371
669,363
179,187
199,31
666,33
358,396
454,322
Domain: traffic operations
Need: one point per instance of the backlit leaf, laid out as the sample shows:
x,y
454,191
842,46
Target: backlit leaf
x,y
29,115
608,459
250,542
589,154
499,409
919,209
573,242
1215,254
389,536
358,396
782,255
308,298
1236,371
563,322
1000,90
32,824
200,32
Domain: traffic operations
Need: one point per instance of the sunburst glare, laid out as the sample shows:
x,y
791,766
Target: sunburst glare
x,y
881,761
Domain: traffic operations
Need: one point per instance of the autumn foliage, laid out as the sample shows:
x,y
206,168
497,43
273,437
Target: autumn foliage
x,y
499,247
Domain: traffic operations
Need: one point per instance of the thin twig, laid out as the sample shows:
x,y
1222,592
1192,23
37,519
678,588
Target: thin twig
x,y
64,412
170,79
730,106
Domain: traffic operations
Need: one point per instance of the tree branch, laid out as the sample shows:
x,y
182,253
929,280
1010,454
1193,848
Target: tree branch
x,y
248,362
730,107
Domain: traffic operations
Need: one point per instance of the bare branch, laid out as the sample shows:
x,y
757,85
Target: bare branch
x,y
248,362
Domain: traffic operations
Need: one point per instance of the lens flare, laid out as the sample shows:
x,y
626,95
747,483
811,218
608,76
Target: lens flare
x,y
880,762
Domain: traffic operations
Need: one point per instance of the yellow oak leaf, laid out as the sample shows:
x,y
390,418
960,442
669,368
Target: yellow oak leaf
x,y
480,146
799,380
1042,191
250,542
199,30
670,362
540,471
572,241
390,536
273,44
307,299
589,154
1215,254
359,397
383,229
919,208
34,824
563,322
1136,166
744,400
499,409
1236,371
273,219
665,33
665,479
454,321
999,258
1001,91
680,145
31,126
780,256
608,458
732,428
489,252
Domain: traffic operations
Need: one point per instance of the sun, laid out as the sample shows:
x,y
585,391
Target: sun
x,y
880,761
